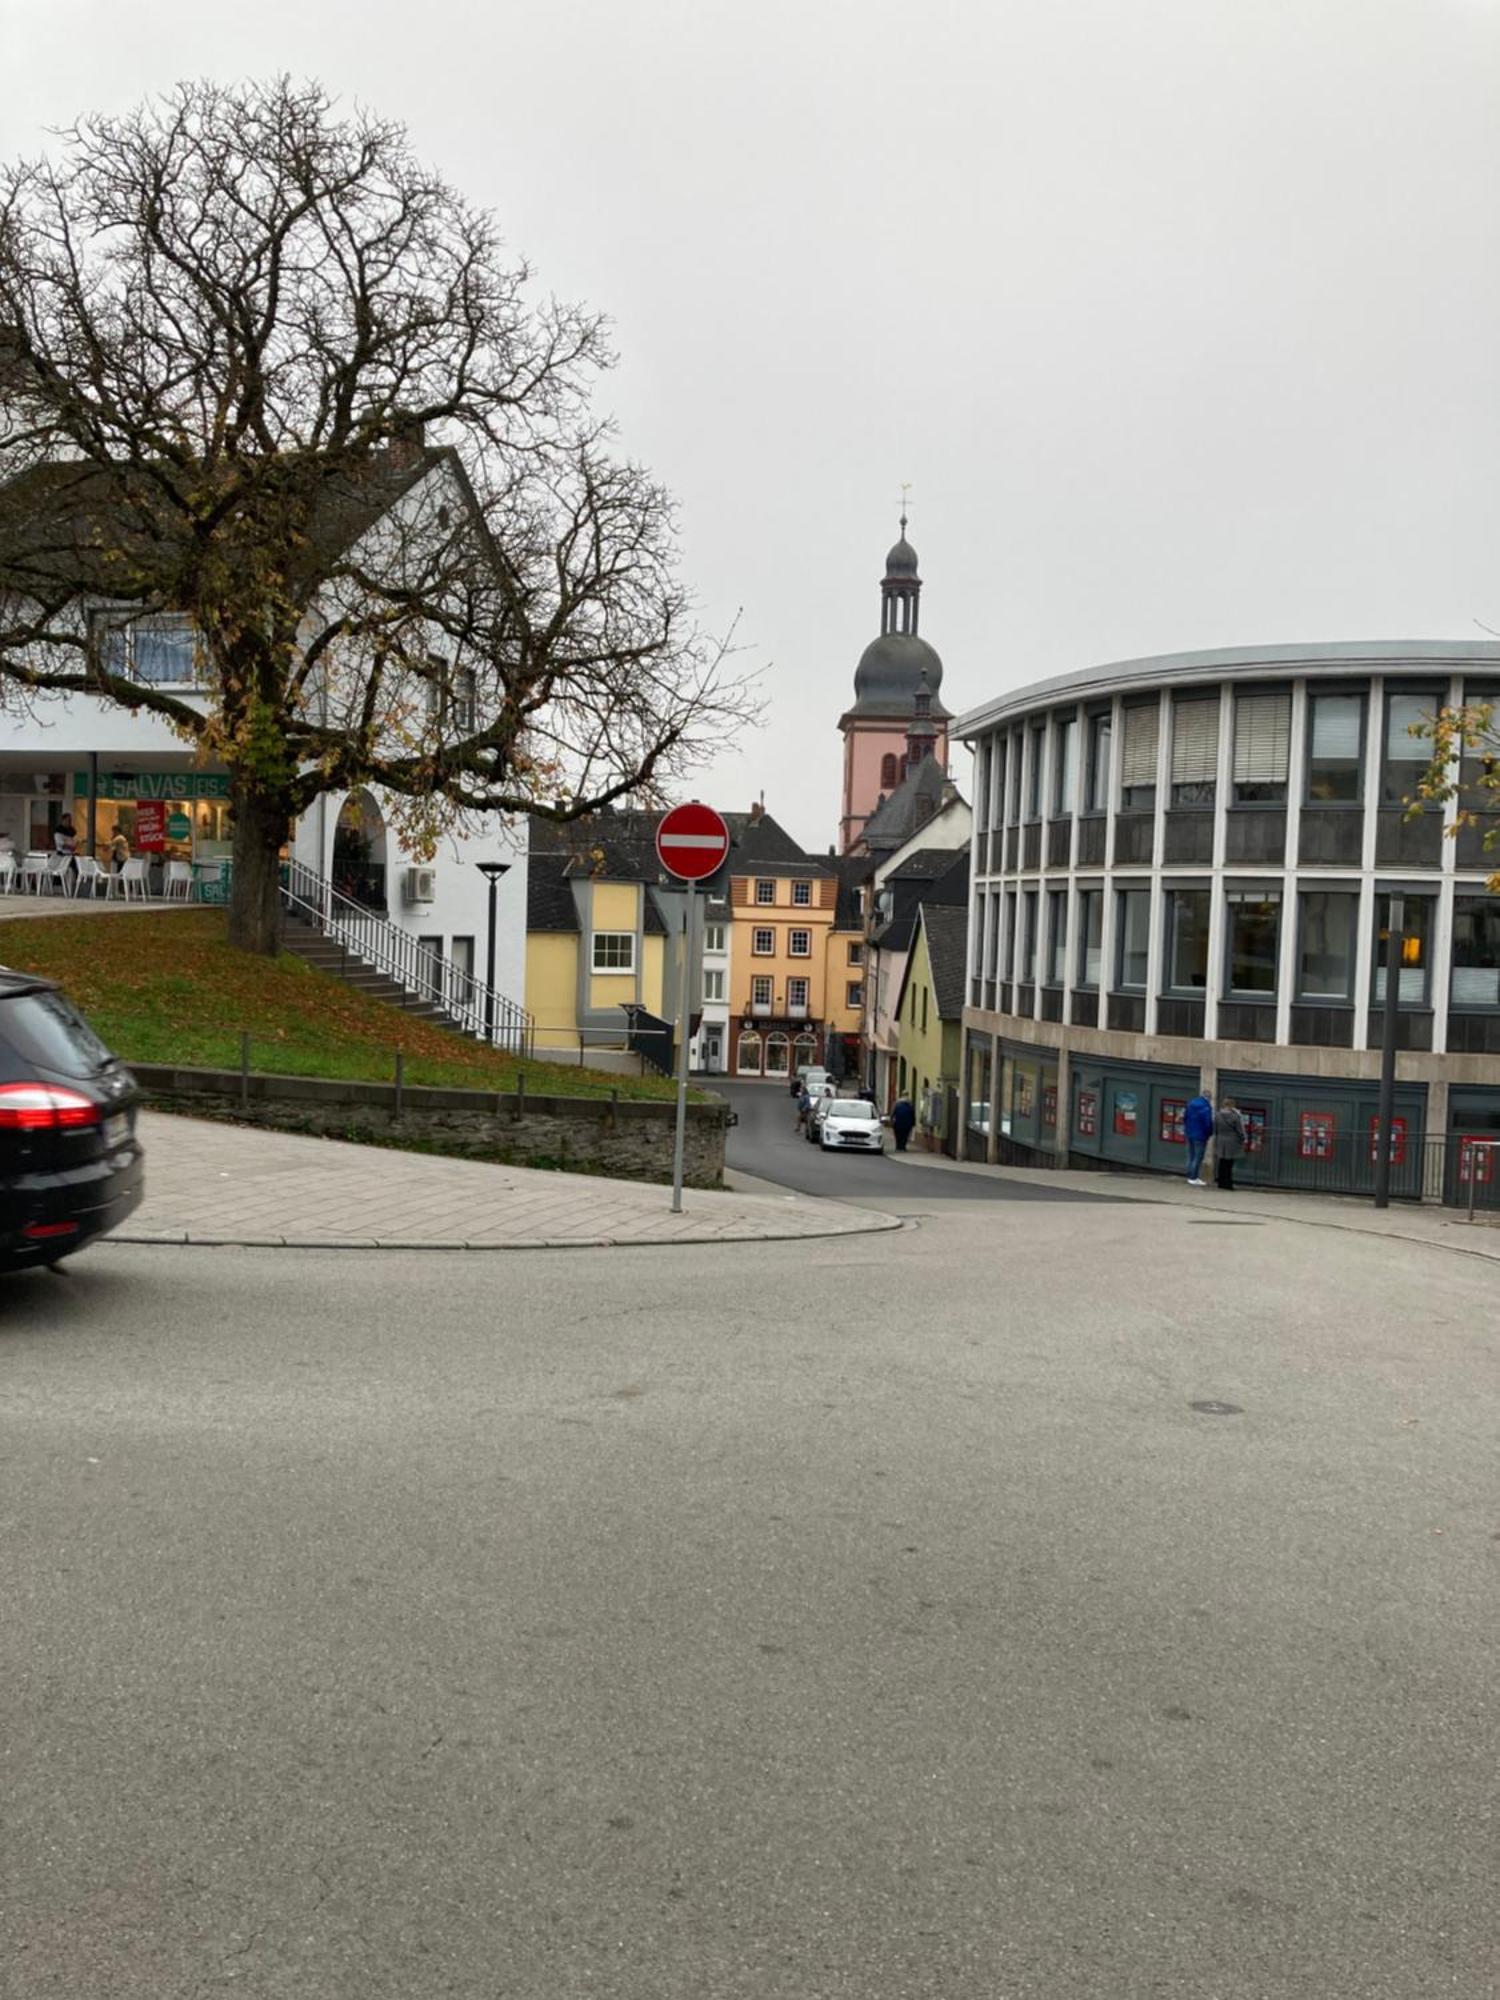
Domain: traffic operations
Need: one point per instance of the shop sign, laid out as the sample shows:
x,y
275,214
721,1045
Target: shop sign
x,y
1127,1110
154,785
1169,1130
179,827
1087,1120
1398,1141
213,884
151,826
1315,1130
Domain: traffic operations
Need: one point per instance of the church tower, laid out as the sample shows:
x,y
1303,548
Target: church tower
x,y
897,718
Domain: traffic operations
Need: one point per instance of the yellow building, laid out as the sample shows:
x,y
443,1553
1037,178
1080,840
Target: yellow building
x,y
796,957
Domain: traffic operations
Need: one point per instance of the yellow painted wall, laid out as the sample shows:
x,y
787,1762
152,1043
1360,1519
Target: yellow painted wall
x,y
653,978
552,979
838,972
616,905
931,1055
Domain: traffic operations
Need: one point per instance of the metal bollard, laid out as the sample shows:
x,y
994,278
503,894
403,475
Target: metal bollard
x,y
244,1071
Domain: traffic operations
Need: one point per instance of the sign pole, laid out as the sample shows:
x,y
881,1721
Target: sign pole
x,y
679,1144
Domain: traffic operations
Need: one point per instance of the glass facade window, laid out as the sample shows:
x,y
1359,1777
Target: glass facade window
x,y
1064,765
1057,936
1028,936
1090,935
1405,755
1138,759
1187,940
1475,978
1262,747
1416,950
1195,751
1335,727
977,1112
1014,761
1253,938
997,781
1096,785
1008,964
1327,929
1133,958
1034,752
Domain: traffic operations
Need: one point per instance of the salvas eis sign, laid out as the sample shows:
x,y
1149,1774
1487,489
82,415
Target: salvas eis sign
x,y
154,785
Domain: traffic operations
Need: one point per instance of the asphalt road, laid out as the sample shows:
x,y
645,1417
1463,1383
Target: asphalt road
x,y
869,1618
765,1144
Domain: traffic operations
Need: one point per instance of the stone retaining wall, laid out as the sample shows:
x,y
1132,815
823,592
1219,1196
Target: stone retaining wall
x,y
627,1138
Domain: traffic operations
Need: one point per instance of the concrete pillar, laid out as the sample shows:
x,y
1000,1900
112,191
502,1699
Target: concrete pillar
x,y
1064,1106
1435,1156
992,1143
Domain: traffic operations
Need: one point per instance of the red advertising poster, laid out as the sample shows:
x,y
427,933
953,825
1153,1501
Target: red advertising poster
x,y
1049,1104
151,826
1315,1131
1398,1141
1169,1130
1255,1126
1088,1115
1126,1108
1476,1159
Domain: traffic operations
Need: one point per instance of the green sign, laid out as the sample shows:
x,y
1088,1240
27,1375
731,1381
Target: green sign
x,y
214,887
179,826
154,785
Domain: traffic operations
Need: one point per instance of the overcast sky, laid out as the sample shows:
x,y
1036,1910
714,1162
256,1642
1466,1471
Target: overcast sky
x,y
1181,317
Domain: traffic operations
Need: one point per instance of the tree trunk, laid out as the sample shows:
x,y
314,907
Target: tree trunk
x,y
262,826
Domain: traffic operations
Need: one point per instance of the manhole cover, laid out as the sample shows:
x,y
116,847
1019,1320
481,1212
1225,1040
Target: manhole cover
x,y
1212,1409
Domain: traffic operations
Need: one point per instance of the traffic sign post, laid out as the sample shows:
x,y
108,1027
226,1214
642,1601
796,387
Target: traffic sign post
x,y
692,843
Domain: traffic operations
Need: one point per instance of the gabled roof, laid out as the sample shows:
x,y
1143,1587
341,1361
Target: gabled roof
x,y
926,864
947,930
549,899
919,797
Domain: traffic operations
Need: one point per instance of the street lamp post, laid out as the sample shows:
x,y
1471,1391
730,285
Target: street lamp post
x,y
1395,945
492,871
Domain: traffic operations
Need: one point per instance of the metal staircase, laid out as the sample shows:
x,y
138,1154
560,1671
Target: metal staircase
x,y
377,957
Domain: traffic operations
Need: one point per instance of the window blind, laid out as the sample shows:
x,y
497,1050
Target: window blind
x,y
1195,742
1262,738
1335,728
1138,751
1401,710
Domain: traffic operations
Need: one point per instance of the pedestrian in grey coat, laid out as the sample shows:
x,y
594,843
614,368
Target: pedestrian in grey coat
x,y
1229,1141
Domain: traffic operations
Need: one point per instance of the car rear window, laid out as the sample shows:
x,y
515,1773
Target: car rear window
x,y
42,1030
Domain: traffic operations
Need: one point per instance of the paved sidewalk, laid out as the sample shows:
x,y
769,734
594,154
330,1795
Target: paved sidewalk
x,y
1440,1228
209,1183
81,906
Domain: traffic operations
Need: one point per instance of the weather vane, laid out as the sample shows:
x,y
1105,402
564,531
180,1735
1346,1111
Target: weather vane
x,y
905,489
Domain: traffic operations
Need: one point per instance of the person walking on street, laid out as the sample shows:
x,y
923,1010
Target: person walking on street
x,y
804,1106
1197,1129
903,1118
1229,1142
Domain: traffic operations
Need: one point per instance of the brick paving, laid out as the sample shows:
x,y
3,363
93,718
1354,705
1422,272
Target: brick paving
x,y
209,1183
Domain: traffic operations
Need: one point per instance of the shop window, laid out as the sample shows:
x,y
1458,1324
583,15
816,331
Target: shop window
x,y
614,951
1406,756
1195,751
1335,727
1064,765
799,943
1090,935
778,1055
1325,945
1134,954
765,892
1138,759
1187,941
1475,978
1416,926
1252,940
1262,746
802,894
1057,937
763,942
748,1055
1096,785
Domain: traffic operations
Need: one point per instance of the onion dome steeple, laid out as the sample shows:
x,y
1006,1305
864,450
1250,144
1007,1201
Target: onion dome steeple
x,y
894,666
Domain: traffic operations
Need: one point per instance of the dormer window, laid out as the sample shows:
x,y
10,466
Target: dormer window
x,y
159,651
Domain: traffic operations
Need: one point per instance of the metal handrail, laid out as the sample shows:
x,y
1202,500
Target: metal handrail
x,y
421,971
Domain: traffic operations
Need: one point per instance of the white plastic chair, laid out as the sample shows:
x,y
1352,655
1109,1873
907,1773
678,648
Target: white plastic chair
x,y
179,883
88,871
134,880
60,873
34,871
7,873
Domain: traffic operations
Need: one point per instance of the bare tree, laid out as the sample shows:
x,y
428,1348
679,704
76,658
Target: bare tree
x,y
262,370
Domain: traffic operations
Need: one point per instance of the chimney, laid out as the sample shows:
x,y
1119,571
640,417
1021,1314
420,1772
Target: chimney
x,y
408,441
757,811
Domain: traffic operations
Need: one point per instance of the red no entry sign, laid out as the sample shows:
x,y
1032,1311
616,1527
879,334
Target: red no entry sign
x,y
692,841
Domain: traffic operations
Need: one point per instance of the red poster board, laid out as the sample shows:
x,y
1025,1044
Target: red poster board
x,y
1256,1118
1476,1159
1315,1130
1398,1141
1088,1114
151,826
1049,1104
1169,1129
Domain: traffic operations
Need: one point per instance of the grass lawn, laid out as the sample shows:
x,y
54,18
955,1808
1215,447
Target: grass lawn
x,y
165,987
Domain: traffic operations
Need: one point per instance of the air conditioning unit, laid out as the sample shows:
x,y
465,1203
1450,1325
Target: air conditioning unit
x,y
421,885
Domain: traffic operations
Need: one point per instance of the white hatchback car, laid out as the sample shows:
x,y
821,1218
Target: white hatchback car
x,y
851,1124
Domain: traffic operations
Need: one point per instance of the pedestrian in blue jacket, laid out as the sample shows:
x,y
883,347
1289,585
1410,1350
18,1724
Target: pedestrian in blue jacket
x,y
1197,1129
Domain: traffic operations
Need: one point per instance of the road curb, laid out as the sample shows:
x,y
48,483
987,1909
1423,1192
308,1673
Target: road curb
x,y
878,1226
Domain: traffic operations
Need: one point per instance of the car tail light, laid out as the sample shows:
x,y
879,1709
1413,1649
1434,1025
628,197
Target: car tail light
x,y
44,1107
